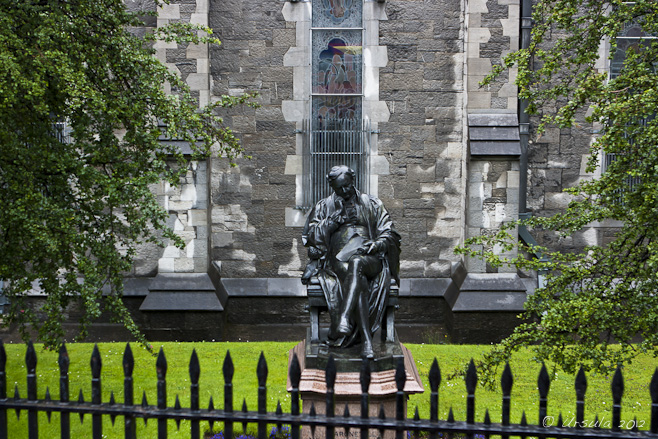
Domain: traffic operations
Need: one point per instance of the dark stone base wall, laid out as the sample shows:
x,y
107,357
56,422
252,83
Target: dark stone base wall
x,y
267,310
103,329
237,332
184,326
462,309
483,327
157,326
424,320
266,318
418,320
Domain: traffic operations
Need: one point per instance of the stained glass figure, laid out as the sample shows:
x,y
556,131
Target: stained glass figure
x,y
337,60
336,107
337,13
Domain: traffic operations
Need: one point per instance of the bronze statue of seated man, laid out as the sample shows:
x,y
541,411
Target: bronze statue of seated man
x,y
354,251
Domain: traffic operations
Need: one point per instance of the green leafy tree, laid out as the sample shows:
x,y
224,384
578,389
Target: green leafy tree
x,y
76,208
599,300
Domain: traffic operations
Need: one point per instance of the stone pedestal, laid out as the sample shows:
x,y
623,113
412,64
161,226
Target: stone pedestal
x,y
347,390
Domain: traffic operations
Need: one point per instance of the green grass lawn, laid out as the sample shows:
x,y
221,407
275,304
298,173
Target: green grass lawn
x,y
636,402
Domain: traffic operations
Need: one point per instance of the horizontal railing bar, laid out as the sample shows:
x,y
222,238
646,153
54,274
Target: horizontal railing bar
x,y
152,412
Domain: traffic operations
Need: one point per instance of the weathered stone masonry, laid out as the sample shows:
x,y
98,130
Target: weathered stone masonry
x,y
422,61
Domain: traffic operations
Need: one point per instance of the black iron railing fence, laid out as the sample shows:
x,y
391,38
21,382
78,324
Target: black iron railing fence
x,y
416,427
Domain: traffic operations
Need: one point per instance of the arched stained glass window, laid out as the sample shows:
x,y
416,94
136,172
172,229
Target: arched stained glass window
x,y
632,37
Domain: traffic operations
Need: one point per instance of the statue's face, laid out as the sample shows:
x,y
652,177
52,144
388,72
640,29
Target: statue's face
x,y
343,186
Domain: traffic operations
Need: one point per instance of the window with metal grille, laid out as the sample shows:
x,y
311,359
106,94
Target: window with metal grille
x,y
336,132
632,37
332,142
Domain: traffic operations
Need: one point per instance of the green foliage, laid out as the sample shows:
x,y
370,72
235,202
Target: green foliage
x,y
601,294
76,210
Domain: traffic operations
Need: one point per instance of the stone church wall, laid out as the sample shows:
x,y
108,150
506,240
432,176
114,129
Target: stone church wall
x,y
255,229
248,232
556,161
423,140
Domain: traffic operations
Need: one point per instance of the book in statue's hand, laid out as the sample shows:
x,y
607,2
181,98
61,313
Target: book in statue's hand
x,y
352,247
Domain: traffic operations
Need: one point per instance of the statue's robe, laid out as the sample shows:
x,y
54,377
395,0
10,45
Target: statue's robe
x,y
317,236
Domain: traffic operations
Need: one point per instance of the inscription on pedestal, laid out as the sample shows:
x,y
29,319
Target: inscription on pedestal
x,y
353,404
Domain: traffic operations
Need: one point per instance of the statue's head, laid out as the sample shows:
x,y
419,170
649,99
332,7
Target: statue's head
x,y
341,180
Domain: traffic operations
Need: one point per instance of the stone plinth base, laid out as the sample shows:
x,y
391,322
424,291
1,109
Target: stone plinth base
x,y
347,392
387,354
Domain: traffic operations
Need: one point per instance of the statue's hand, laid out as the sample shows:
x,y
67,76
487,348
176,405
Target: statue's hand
x,y
374,247
335,220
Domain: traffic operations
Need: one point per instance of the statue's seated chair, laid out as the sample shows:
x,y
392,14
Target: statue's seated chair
x,y
318,303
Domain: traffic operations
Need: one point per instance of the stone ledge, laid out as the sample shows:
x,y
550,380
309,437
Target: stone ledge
x,y
491,292
419,287
489,301
292,287
494,133
492,282
500,149
182,145
181,301
136,286
132,286
493,119
264,287
184,292
182,281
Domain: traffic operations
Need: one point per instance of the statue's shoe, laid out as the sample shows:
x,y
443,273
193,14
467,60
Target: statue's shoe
x,y
332,343
344,327
367,351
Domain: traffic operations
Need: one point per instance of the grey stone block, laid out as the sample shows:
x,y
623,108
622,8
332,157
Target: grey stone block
x,y
245,287
419,287
493,133
182,282
495,149
492,282
181,301
493,120
419,203
285,287
489,301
